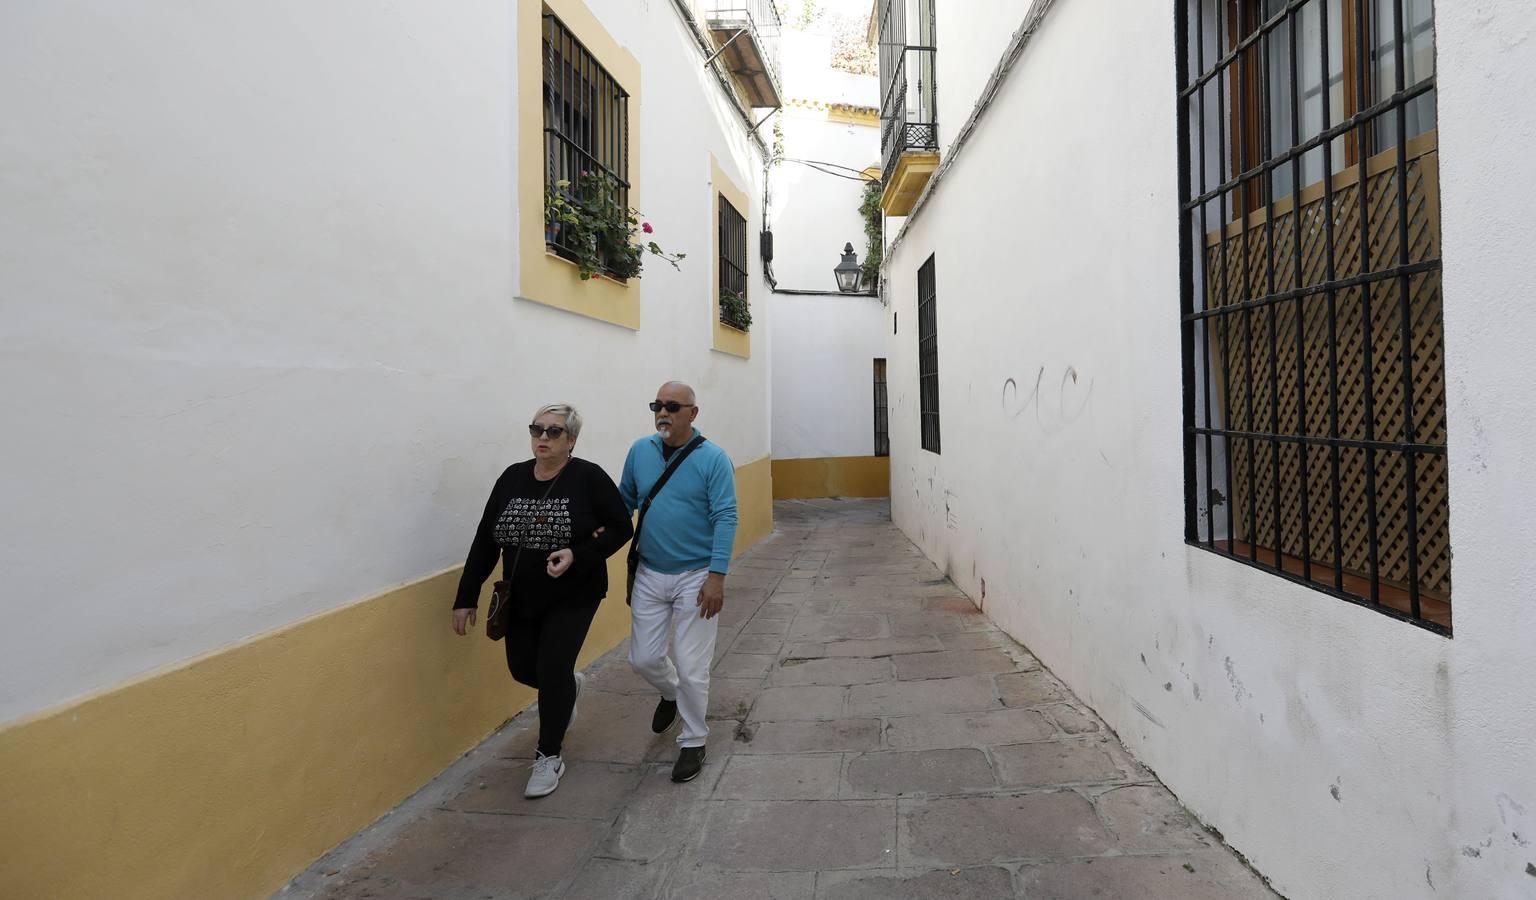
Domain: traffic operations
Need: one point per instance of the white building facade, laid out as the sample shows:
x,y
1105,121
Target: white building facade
x,y
278,298
1076,387
828,364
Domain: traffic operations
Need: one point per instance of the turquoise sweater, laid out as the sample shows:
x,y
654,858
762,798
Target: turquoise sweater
x,y
692,523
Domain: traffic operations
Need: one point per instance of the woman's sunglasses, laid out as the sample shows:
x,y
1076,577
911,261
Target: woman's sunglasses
x,y
670,406
553,431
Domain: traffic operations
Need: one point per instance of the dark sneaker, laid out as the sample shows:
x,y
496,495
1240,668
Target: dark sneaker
x,y
665,715
690,760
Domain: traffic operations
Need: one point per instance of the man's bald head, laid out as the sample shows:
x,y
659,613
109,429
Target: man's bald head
x,y
676,390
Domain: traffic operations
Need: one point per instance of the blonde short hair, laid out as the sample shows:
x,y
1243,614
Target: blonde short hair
x,y
572,417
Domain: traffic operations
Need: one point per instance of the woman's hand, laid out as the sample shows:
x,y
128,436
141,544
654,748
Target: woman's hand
x,y
558,562
463,620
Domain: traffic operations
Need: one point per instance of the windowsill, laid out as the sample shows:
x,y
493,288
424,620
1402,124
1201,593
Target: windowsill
x,y
1432,608
550,252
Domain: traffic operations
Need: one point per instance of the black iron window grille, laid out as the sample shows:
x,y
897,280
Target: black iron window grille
x,y
1313,350
882,412
908,102
733,263
928,356
586,126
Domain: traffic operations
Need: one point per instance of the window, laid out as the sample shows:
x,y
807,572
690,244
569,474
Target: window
x,y
882,412
928,356
733,264
1314,356
586,123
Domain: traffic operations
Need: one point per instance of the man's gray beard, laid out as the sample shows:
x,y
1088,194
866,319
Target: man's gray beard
x,y
665,431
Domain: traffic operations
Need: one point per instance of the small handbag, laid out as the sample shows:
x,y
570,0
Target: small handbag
x,y
501,592
634,544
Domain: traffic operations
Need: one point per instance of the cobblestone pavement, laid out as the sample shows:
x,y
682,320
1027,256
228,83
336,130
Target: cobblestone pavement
x,y
873,736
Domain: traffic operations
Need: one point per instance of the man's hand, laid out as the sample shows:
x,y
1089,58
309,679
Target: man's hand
x,y
463,620
712,597
558,562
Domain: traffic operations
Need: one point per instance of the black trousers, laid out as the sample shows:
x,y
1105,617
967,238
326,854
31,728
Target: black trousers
x,y
541,653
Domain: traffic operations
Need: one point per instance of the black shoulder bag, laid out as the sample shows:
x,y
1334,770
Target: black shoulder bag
x,y
634,544
501,592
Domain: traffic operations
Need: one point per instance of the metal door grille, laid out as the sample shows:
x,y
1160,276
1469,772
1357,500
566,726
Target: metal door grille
x,y
1314,358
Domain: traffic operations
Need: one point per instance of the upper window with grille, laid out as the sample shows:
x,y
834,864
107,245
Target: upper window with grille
x,y
1314,359
586,126
733,266
928,356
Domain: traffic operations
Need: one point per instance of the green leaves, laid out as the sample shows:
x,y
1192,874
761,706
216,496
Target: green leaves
x,y
585,220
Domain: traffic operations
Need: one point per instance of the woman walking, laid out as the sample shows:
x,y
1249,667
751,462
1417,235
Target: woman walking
x,y
554,520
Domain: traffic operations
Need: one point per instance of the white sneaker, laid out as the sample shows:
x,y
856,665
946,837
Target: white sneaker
x,y
581,682
546,776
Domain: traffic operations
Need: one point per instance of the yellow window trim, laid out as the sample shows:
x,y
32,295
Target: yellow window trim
x,y
727,339
546,278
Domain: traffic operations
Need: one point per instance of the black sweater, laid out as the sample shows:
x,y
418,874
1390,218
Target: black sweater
x,y
581,501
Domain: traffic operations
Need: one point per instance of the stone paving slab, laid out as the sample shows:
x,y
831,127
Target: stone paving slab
x,y
873,735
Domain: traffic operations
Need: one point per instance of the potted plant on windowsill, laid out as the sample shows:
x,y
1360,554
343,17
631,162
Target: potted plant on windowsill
x,y
735,311
586,221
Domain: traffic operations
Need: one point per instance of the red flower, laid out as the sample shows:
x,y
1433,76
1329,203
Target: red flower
x,y
646,227
584,173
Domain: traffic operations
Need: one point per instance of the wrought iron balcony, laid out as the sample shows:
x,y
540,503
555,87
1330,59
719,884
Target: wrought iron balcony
x,y
746,34
909,130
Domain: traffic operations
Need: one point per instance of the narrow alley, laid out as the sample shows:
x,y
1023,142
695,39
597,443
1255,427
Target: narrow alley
x,y
874,736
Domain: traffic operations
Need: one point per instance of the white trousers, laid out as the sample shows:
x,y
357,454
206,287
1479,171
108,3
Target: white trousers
x,y
666,606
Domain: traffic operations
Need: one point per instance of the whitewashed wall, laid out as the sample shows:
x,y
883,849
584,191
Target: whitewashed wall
x,y
823,375
970,37
824,346
259,341
1345,753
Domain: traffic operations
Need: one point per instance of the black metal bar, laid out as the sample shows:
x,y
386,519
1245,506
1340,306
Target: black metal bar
x,y
1332,285
1187,286
1240,163
1298,279
1267,187
1328,135
1205,273
1338,593
1353,443
1333,310
1410,474
1367,325
1221,216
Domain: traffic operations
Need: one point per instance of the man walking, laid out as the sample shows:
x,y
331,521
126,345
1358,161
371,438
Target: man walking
x,y
686,533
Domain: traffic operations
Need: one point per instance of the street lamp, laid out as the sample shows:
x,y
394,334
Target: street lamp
x,y
848,271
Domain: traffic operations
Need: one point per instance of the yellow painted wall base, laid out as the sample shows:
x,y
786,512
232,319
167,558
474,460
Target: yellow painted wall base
x,y
832,476
226,775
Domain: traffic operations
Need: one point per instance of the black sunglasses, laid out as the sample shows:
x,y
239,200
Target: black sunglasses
x,y
553,431
670,406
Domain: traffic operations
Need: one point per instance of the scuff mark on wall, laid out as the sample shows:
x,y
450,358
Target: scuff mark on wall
x,y
1146,713
1239,693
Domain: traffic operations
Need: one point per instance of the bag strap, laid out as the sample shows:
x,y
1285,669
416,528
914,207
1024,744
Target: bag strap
x,y
677,462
